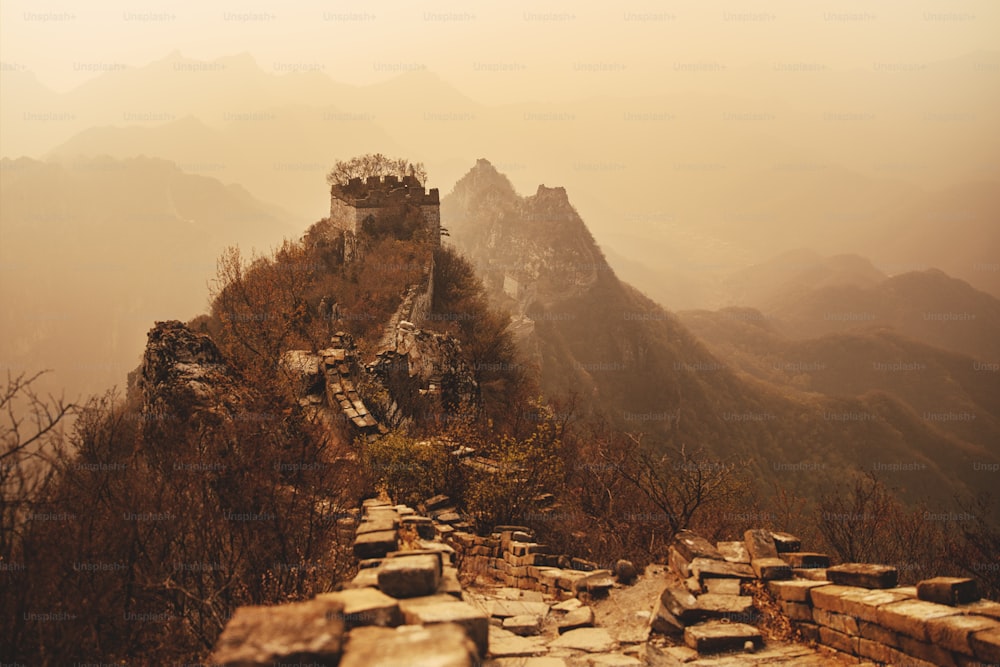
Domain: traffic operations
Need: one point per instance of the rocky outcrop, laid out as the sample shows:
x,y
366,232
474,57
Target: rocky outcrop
x,y
183,378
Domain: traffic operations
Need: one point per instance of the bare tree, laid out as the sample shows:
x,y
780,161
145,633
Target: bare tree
x,y
375,164
31,447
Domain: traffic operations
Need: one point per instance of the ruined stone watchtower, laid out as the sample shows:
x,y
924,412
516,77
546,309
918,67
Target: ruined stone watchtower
x,y
377,199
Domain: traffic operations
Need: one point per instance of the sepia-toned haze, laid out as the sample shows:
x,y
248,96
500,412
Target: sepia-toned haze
x,y
696,139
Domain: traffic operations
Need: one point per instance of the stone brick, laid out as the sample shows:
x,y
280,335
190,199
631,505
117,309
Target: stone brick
x,y
811,574
829,597
507,608
446,609
734,552
848,625
578,618
375,545
732,607
981,608
437,503
366,606
679,564
375,525
262,636
596,583
926,651
664,622
873,650
863,575
910,617
805,559
723,586
691,545
446,644
953,632
705,568
948,590
771,568
591,640
793,591
873,631
786,542
760,544
863,603
797,611
410,577
367,578
986,645
679,602
838,640
717,636
525,625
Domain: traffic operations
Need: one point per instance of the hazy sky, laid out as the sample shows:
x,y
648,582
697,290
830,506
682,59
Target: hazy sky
x,y
497,53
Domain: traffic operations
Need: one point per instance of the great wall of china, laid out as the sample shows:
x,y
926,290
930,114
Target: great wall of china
x,y
522,606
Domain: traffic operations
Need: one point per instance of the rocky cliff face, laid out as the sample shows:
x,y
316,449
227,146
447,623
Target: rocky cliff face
x,y
183,376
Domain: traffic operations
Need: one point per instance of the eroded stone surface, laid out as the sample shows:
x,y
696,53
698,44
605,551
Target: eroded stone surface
x,y
263,636
716,636
863,575
443,645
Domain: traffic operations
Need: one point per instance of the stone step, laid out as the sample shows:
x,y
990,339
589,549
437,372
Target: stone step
x,y
717,636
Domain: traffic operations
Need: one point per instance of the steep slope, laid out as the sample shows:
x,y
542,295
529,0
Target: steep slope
x,y
639,367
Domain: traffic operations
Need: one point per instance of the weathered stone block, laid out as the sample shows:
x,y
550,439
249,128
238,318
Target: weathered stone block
x,y
375,525
680,603
873,631
811,574
422,524
805,559
910,617
839,622
771,568
716,636
793,591
524,626
262,636
664,622
829,596
679,564
597,582
760,544
838,640
436,609
935,655
375,545
578,618
436,503
863,575
986,645
507,608
705,568
591,640
948,590
691,545
953,632
981,608
873,650
863,603
410,577
786,542
734,552
797,611
366,606
732,607
723,586
367,578
445,644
